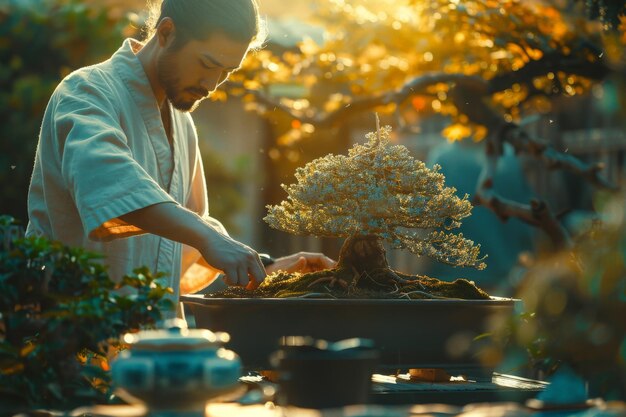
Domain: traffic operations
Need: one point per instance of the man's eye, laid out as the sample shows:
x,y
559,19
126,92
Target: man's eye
x,y
205,65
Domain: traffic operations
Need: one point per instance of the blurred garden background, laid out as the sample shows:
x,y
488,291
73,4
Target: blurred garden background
x,y
449,76
520,102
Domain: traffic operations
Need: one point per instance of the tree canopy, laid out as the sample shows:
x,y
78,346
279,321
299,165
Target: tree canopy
x,y
483,63
380,190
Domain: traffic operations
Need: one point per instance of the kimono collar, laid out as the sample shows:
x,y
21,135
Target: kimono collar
x,y
129,69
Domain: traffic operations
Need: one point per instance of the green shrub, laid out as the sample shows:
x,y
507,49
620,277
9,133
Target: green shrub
x,y
60,316
575,304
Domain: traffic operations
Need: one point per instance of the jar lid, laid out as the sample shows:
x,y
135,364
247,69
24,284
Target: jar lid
x,y
175,335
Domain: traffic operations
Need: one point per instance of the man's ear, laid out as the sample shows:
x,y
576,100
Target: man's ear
x,y
166,31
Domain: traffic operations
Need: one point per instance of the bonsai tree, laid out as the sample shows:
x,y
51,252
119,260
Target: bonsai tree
x,y
378,193
60,318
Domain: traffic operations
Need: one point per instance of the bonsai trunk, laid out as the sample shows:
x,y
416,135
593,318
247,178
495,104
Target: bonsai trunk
x,y
363,257
362,253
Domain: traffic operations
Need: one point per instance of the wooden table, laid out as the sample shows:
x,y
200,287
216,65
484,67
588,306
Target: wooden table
x,y
509,409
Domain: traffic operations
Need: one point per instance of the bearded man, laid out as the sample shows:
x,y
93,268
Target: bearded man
x,y
118,170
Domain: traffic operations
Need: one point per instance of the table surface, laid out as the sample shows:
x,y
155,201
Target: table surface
x,y
509,409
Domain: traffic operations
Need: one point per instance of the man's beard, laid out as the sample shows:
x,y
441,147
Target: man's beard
x,y
169,80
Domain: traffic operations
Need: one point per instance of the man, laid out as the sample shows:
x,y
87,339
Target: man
x,y
118,169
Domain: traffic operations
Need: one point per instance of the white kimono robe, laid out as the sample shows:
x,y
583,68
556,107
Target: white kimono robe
x,y
103,152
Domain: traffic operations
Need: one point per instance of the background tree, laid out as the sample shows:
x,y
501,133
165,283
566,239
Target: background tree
x,y
609,12
41,41
484,64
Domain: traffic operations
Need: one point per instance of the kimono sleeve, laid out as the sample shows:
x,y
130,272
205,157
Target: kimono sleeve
x,y
97,164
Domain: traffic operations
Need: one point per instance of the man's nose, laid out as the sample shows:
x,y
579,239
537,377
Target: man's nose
x,y
209,84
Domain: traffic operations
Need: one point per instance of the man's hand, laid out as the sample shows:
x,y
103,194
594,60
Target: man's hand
x,y
301,262
240,264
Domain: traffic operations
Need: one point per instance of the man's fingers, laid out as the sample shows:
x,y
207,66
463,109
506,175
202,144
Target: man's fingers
x,y
322,261
228,277
297,265
318,261
249,272
328,263
242,276
260,262
256,272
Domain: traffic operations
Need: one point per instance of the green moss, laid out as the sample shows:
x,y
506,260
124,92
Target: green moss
x,y
344,283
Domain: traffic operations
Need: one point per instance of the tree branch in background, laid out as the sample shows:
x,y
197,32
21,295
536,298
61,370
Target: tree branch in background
x,y
536,213
553,159
472,96
320,119
552,62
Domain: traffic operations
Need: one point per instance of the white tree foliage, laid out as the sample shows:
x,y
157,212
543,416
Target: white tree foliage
x,y
378,189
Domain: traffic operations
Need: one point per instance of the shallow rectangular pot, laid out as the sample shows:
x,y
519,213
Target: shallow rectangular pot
x,y
408,333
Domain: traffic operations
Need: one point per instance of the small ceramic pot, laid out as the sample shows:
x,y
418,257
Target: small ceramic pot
x,y
320,374
176,368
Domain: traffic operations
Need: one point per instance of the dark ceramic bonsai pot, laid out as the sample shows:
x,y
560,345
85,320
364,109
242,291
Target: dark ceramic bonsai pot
x,y
438,333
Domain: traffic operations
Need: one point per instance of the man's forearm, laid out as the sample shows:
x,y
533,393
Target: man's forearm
x,y
170,221
240,263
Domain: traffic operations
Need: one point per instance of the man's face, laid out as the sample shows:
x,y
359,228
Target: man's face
x,y
192,73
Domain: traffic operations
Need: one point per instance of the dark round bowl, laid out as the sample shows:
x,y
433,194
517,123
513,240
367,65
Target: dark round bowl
x,y
315,378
